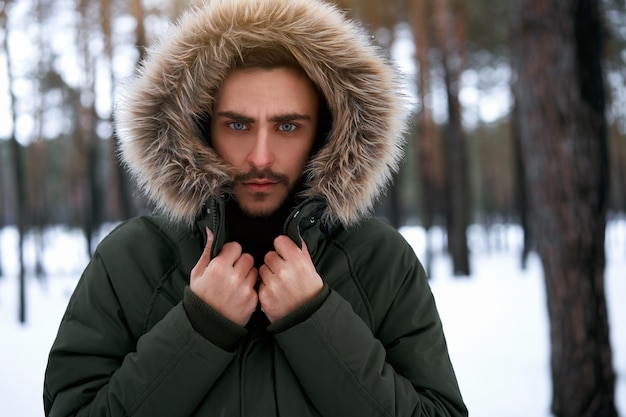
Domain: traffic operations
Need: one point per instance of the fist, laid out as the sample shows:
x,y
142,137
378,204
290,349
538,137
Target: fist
x,y
226,282
288,279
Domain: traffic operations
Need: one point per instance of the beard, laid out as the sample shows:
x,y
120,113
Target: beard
x,y
261,204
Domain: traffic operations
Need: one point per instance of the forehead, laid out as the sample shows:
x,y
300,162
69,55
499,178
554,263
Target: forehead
x,y
272,88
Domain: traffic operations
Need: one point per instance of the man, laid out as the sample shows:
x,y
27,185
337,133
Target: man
x,y
263,131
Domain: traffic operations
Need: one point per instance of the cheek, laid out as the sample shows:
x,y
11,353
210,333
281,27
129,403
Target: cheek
x,y
223,146
231,154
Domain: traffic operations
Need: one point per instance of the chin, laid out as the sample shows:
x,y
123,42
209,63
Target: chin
x,y
258,209
257,213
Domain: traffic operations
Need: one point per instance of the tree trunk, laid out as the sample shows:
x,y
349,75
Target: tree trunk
x,y
121,178
560,93
17,155
86,180
520,188
451,25
618,168
141,42
427,155
38,204
36,153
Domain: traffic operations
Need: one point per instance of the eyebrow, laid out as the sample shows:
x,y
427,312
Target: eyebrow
x,y
235,116
282,118
289,117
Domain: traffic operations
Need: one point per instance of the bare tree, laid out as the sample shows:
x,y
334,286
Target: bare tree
x,y
121,180
36,161
141,41
521,192
452,34
118,196
429,160
4,202
557,54
618,166
86,191
17,156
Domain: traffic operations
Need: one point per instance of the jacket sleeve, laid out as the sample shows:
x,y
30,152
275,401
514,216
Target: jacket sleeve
x,y
96,366
403,369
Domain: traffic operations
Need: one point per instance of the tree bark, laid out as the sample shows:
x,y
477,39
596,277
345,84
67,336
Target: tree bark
x,y
428,153
520,189
141,42
17,155
557,47
88,190
451,28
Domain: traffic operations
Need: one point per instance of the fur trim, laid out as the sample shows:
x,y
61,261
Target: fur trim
x,y
157,116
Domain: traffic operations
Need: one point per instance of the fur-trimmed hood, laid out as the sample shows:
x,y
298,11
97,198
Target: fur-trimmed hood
x,y
157,117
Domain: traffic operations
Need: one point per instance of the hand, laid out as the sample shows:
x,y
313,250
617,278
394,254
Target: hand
x,y
289,279
226,283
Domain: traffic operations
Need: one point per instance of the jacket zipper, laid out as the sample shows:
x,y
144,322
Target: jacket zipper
x,y
213,213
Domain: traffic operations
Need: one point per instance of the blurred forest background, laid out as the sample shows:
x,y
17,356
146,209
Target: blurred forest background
x,y
480,150
62,61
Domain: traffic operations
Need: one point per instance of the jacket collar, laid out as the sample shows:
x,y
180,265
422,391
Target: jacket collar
x,y
305,222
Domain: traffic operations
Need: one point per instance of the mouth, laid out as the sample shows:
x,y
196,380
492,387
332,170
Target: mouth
x,y
259,185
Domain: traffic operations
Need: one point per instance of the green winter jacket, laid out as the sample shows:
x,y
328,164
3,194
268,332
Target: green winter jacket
x,y
374,347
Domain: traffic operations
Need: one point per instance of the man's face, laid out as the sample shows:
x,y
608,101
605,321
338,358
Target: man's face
x,y
264,124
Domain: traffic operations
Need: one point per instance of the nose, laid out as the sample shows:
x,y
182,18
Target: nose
x,y
261,156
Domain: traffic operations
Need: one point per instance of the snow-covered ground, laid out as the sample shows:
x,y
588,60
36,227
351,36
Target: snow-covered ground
x,y
495,320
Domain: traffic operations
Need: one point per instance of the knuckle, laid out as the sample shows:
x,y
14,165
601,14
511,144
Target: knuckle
x,y
280,240
234,245
247,258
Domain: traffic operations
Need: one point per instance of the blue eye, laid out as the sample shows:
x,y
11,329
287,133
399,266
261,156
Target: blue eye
x,y
287,127
238,126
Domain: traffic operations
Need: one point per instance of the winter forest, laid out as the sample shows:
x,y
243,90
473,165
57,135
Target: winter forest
x,y
515,164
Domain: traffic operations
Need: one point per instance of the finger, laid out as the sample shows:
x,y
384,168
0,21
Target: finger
x,y
265,272
272,260
244,264
205,258
252,277
285,246
231,252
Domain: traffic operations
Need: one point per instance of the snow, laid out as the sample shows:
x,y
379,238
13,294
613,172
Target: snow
x,y
495,321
